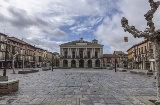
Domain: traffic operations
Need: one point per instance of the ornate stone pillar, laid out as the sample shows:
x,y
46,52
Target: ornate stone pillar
x,y
78,52
77,63
69,63
85,63
67,52
93,63
86,52
71,52
92,53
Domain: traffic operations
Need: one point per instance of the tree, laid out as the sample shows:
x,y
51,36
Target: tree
x,y
13,58
151,34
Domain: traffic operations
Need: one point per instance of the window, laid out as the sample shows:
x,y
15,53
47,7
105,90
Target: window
x,y
145,50
139,51
81,54
142,50
88,53
65,54
73,54
96,54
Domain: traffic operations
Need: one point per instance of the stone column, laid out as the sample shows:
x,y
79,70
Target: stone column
x,y
101,63
92,53
151,68
101,55
99,52
83,53
78,51
144,65
86,52
69,63
71,52
93,63
77,63
67,52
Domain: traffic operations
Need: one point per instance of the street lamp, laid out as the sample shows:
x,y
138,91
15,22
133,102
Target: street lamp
x,y
23,62
115,61
52,61
5,63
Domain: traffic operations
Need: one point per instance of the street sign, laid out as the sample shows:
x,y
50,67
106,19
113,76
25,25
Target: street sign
x,y
125,39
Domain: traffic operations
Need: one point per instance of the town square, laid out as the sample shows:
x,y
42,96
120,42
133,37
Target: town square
x,y
81,87
57,52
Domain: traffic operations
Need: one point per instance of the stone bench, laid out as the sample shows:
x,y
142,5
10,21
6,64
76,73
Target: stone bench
x,y
64,67
27,71
99,67
46,69
122,69
7,87
141,72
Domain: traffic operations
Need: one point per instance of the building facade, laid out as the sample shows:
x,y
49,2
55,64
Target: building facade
x,y
121,59
81,54
142,56
108,60
131,57
26,55
56,59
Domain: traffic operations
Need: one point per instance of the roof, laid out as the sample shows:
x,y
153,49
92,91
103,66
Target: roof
x,y
55,53
16,40
145,41
132,47
80,41
119,52
108,55
3,34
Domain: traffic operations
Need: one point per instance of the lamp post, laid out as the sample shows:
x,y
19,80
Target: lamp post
x,y
115,61
23,63
52,61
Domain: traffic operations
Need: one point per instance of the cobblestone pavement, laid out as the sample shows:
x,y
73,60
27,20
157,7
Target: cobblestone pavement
x,y
80,87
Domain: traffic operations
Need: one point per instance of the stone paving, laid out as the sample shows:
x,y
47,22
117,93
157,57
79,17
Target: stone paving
x,y
80,87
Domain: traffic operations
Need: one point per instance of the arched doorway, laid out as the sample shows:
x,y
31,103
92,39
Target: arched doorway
x,y
65,63
73,64
89,63
97,63
81,63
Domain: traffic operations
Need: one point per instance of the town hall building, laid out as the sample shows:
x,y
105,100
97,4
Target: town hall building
x,y
81,54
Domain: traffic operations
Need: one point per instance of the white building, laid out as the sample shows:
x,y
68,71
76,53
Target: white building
x,y
81,54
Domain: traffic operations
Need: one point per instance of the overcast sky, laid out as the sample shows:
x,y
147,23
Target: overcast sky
x,y
49,23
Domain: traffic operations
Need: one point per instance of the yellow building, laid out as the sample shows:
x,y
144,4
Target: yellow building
x,y
131,56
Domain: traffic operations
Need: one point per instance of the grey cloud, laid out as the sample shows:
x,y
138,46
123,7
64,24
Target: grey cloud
x,y
59,34
21,19
56,33
2,18
44,43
